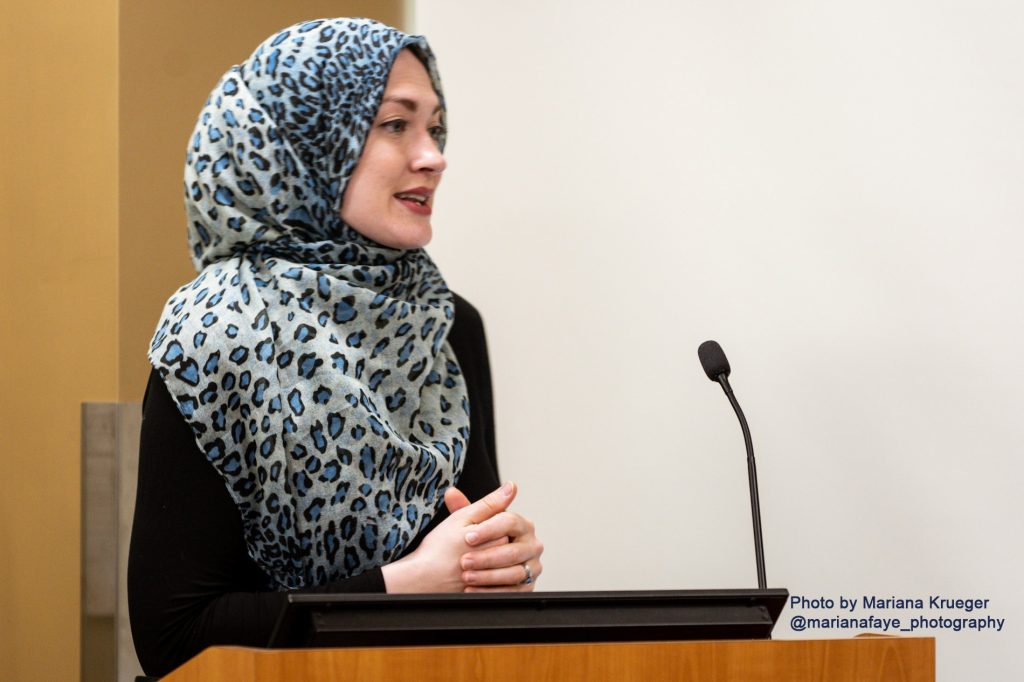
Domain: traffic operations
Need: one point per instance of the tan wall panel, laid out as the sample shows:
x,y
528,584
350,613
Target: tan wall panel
x,y
172,54
59,241
58,310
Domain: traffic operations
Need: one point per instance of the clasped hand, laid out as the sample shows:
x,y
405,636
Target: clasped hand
x,y
480,547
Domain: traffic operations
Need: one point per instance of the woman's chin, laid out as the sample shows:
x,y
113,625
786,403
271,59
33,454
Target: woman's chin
x,y
405,237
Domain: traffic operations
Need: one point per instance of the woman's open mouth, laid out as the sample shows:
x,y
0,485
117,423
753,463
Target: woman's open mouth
x,y
417,201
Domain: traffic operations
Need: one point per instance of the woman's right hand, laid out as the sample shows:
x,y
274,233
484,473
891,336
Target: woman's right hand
x,y
435,565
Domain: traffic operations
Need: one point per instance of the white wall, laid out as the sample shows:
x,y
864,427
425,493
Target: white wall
x,y
831,190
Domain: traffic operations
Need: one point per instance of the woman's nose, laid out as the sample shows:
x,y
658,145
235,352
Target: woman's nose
x,y
427,156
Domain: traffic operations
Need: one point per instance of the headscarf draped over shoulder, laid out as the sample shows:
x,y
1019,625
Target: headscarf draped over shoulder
x,y
311,363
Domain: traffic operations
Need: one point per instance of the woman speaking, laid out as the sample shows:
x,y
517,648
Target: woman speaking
x,y
318,392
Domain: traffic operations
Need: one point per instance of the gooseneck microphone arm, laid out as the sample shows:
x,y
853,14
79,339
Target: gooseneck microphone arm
x,y
716,366
755,503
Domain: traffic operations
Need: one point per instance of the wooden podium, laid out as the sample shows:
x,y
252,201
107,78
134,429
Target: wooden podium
x,y
861,659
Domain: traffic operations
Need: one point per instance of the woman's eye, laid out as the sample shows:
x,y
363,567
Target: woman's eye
x,y
394,126
437,132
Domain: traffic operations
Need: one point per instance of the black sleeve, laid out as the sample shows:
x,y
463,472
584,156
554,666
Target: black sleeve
x,y
469,342
191,582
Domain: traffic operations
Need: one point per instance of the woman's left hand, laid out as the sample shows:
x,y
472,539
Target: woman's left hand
x,y
507,554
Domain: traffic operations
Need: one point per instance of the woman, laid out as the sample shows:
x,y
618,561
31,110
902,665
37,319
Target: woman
x,y
317,390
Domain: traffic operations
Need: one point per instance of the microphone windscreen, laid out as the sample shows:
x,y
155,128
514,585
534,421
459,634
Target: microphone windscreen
x,y
713,360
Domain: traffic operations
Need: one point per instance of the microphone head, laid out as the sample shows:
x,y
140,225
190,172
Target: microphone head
x,y
713,360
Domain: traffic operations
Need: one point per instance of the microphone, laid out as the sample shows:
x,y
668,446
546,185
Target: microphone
x,y
716,366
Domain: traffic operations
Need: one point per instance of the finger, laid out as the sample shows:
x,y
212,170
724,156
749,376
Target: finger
x,y
505,523
493,503
497,542
510,575
500,556
504,588
455,499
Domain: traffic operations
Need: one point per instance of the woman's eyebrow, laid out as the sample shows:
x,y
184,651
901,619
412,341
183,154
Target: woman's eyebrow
x,y
409,104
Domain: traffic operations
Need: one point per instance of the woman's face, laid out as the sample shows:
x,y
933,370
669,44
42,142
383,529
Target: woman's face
x,y
390,194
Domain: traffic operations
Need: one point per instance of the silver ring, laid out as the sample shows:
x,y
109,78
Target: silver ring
x,y
529,575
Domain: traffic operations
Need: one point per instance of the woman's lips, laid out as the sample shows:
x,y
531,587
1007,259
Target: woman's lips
x,y
415,206
416,199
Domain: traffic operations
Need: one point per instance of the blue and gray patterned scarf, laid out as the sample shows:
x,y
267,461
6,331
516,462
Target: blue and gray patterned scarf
x,y
311,363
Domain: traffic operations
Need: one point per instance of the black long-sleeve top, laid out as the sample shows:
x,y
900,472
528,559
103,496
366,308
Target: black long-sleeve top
x,y
191,582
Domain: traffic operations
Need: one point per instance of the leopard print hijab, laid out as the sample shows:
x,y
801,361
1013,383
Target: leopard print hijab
x,y
311,363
